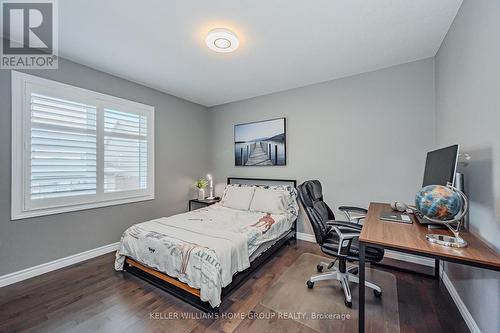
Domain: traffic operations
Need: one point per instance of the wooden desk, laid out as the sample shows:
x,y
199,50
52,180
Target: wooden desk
x,y
410,238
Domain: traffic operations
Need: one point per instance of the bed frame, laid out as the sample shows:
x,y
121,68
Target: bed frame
x,y
192,295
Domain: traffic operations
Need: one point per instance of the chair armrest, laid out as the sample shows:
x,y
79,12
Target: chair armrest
x,y
346,232
345,224
347,210
353,209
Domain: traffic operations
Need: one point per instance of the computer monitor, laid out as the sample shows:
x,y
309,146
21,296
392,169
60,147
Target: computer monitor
x,y
441,166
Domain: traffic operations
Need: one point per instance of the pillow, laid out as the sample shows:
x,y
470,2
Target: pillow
x,y
238,197
269,200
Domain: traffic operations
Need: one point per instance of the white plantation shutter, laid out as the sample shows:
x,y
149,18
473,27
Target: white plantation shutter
x,y
63,148
76,149
125,151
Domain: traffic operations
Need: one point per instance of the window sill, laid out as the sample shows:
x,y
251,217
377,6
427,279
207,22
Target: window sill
x,y
18,215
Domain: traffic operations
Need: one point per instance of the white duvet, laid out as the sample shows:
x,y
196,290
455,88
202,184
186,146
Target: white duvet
x,y
202,248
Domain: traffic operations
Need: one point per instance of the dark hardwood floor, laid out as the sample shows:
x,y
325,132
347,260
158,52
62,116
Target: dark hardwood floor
x,y
92,297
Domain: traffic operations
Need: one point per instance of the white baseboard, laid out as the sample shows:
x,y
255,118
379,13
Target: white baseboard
x,y
306,237
469,320
30,272
409,258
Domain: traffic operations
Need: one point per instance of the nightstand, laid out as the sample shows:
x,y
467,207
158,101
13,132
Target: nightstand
x,y
204,202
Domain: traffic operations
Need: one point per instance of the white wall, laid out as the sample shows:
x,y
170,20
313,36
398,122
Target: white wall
x,y
364,137
468,113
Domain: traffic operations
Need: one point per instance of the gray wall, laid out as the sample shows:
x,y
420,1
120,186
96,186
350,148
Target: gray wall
x,y
468,112
364,137
180,157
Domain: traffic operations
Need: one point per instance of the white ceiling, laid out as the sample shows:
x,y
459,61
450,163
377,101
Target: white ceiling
x,y
284,43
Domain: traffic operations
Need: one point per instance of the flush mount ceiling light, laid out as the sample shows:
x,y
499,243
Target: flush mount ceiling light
x,y
222,40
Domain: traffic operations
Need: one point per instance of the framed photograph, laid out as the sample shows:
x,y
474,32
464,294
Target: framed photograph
x,y
261,143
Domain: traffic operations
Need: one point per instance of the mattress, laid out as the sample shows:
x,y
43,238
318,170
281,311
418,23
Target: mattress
x,y
203,248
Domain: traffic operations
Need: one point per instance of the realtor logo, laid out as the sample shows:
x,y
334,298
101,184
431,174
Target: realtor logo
x,y
29,34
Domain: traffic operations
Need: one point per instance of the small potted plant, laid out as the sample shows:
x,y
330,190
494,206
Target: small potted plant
x,y
201,184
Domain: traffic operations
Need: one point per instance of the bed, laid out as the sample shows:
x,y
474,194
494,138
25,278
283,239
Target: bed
x,y
203,255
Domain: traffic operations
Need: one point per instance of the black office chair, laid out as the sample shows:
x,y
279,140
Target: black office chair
x,y
337,238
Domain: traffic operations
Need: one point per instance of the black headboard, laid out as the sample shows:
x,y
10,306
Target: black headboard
x,y
261,181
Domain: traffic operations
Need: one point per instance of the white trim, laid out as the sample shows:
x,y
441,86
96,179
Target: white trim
x,y
469,320
30,272
306,237
77,207
409,258
64,86
21,205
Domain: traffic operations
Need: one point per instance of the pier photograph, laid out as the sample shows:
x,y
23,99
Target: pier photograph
x,y
261,143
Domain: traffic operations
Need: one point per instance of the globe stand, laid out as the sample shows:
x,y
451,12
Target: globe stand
x,y
455,240
451,241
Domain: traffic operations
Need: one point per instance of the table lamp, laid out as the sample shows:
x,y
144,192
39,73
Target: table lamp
x,y
211,187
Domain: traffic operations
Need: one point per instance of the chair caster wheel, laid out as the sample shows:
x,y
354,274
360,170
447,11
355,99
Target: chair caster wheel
x,y
310,284
377,293
319,268
348,303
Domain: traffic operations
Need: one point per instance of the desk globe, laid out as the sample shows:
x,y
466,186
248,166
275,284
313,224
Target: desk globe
x,y
443,205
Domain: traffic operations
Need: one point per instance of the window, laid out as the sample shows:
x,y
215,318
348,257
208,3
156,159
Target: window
x,y
76,149
125,151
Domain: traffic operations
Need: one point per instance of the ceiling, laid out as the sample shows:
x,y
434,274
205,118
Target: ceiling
x,y
283,44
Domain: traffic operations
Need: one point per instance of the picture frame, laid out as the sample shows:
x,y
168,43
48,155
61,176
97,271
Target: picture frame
x,y
260,143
